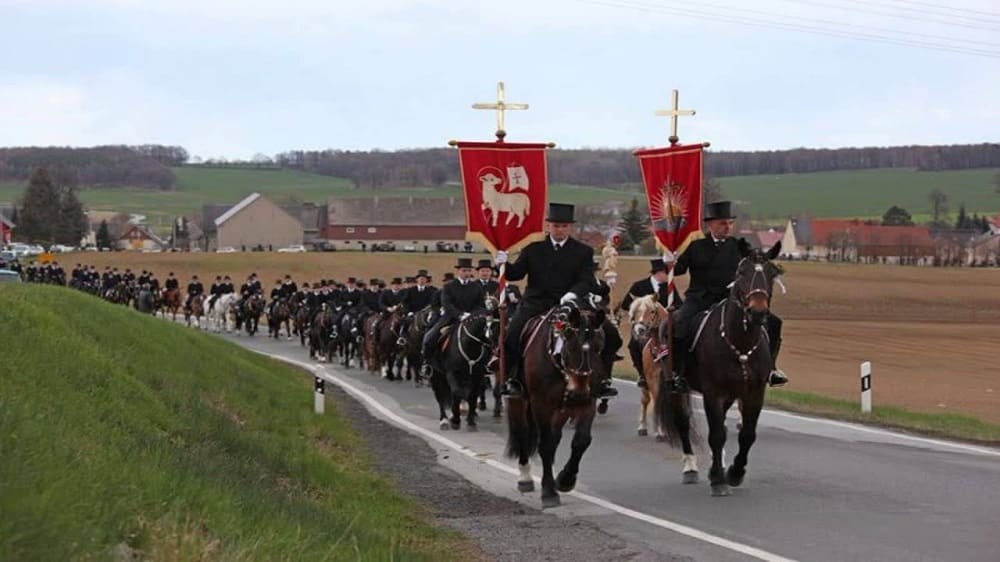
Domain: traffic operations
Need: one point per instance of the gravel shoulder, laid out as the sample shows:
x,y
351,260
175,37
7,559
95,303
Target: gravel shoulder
x,y
501,529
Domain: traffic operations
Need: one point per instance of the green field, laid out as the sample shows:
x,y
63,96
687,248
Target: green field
x,y
848,194
119,432
866,193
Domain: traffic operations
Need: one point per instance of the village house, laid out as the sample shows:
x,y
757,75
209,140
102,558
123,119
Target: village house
x,y
857,241
139,237
256,222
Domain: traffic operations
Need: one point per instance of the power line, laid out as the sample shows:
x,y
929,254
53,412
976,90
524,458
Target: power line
x,y
951,8
823,22
741,20
865,10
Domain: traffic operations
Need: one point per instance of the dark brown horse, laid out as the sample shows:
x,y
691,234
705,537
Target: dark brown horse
x,y
730,364
462,378
389,344
301,320
562,355
280,314
171,303
421,321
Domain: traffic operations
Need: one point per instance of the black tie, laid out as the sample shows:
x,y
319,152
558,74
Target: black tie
x,y
558,246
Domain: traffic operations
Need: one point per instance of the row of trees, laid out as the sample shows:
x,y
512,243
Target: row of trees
x,y
617,168
106,166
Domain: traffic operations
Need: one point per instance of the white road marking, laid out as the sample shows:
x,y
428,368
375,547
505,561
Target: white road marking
x,y
877,431
503,467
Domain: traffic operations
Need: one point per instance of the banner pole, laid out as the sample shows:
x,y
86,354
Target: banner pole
x,y
501,374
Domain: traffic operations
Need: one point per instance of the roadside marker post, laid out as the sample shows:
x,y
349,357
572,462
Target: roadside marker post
x,y
866,387
319,395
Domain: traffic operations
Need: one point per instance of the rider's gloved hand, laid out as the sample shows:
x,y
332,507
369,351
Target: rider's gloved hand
x,y
464,316
669,257
569,297
501,258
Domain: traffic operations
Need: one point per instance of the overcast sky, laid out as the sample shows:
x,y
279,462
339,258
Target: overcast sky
x,y
234,78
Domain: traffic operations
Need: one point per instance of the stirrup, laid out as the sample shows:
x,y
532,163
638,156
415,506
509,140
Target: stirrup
x,y
606,390
777,378
512,388
678,383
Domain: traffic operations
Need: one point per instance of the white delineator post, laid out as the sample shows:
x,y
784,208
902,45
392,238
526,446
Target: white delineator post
x,y
319,396
866,387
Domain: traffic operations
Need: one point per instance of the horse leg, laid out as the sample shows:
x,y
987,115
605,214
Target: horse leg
x,y
566,480
484,386
456,410
548,442
682,422
477,389
716,414
748,434
497,400
643,409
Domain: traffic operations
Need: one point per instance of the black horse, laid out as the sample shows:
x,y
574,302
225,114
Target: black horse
x,y
562,356
248,313
462,375
731,362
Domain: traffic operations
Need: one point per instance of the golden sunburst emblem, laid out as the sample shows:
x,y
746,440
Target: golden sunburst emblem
x,y
668,207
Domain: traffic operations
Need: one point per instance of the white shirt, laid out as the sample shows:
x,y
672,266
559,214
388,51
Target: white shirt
x,y
656,285
557,245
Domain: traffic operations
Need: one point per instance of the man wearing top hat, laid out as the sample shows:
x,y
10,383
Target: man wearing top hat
x,y
559,271
655,284
484,270
712,262
459,298
390,298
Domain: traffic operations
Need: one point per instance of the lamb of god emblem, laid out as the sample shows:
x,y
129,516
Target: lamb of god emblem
x,y
513,200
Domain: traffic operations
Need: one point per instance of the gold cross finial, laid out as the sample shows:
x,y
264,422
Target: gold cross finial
x,y
500,106
674,112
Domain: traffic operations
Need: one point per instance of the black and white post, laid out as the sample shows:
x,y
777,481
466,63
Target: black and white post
x,y
319,395
866,387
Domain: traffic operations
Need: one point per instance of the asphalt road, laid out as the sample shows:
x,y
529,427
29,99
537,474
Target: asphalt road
x,y
816,489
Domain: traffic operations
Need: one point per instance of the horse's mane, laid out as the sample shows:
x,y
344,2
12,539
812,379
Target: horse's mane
x,y
640,306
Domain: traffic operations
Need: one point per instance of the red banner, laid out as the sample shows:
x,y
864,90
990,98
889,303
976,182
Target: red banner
x,y
672,177
505,188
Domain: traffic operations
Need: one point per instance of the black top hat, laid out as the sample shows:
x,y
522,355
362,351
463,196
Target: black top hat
x,y
397,280
488,264
657,265
463,262
449,276
351,279
560,212
423,273
719,210
410,279
373,281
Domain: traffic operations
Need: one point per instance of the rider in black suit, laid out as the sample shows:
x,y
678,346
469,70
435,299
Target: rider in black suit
x,y
559,271
459,298
712,262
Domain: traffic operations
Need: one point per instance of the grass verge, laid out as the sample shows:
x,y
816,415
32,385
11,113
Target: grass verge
x,y
122,432
952,426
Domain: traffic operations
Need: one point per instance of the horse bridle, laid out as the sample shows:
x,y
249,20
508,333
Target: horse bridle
x,y
484,346
562,326
743,299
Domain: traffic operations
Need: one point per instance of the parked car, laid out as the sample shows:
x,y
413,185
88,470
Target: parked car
x,y
384,247
35,250
409,248
8,276
61,249
324,246
226,250
293,249
7,256
445,246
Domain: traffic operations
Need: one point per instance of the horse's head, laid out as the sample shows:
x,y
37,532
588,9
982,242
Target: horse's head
x,y
754,281
582,335
643,314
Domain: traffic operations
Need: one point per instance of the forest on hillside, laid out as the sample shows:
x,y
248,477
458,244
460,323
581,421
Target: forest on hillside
x,y
149,166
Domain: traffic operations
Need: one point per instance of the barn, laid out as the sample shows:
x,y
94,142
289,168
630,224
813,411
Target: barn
x,y
139,237
257,222
403,221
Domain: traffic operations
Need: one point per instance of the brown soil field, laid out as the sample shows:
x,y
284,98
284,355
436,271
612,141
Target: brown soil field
x,y
932,335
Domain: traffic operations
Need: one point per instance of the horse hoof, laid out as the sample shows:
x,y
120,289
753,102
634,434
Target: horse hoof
x,y
456,425
690,477
720,490
482,406
526,486
602,408
551,501
565,482
444,424
660,438
734,476
643,432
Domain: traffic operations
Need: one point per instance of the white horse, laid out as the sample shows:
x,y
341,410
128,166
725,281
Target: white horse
x,y
515,204
219,315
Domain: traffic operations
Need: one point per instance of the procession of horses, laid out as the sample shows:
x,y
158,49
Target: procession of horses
x,y
544,356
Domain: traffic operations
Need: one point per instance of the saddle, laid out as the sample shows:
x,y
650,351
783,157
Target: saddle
x,y
445,337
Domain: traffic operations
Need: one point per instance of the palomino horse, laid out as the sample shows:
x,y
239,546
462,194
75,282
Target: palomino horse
x,y
195,310
645,315
171,303
280,314
468,348
561,351
730,364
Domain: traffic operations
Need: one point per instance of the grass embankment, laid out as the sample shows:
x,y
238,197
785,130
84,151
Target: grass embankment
x,y
121,429
952,426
